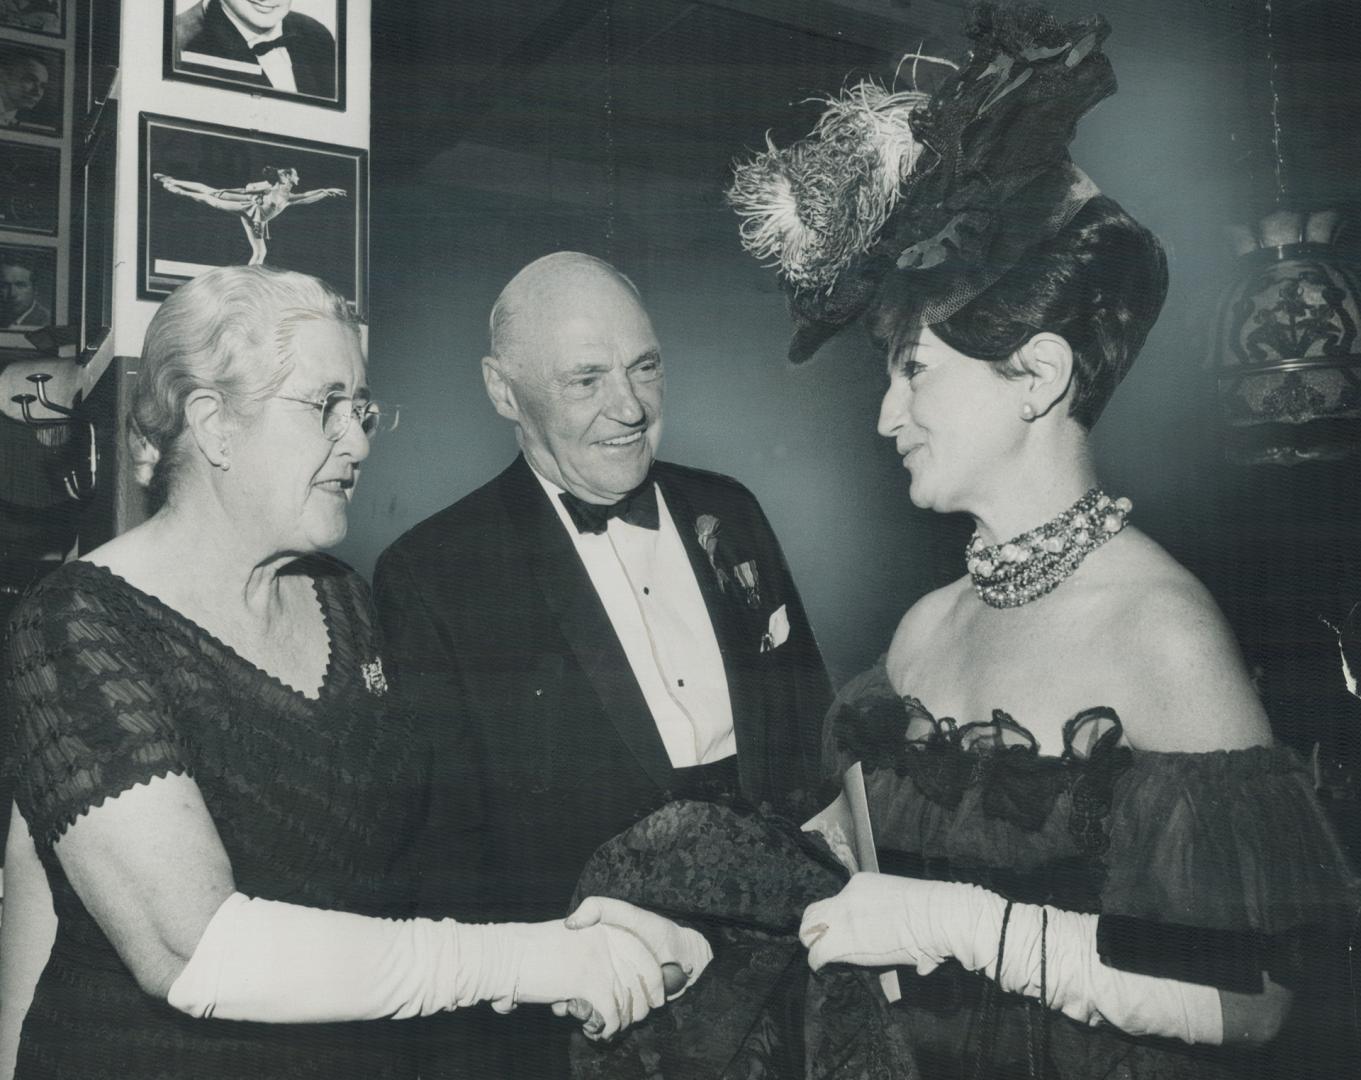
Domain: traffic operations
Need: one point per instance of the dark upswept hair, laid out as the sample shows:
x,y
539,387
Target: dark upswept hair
x,y
1099,283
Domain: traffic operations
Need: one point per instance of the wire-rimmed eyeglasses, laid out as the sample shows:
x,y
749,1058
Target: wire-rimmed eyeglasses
x,y
338,410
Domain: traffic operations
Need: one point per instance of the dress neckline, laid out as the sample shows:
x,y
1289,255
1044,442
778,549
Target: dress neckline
x,y
194,628
973,737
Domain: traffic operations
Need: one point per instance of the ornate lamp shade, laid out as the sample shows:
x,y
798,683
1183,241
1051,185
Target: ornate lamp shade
x,y
1288,344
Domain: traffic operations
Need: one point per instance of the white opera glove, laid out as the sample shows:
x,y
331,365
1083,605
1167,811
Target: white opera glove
x,y
880,920
283,963
668,943
927,921
1082,987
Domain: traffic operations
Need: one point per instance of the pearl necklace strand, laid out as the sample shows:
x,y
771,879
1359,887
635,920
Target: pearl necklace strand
x,y
1037,562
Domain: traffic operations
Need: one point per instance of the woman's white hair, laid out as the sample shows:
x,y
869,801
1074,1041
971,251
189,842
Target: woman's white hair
x,y
228,330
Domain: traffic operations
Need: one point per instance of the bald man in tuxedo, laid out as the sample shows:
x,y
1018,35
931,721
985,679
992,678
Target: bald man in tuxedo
x,y
588,636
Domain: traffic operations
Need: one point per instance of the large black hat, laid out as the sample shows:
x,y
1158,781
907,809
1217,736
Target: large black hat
x,y
951,187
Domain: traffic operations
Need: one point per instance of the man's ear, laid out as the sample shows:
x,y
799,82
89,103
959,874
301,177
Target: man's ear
x,y
205,415
499,389
1047,360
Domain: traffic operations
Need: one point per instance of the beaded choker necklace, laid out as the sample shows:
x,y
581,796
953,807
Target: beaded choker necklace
x,y
1037,562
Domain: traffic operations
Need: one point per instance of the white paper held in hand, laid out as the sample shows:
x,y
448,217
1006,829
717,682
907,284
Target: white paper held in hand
x,y
845,825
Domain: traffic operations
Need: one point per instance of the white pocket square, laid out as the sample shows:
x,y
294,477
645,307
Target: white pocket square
x,y
777,630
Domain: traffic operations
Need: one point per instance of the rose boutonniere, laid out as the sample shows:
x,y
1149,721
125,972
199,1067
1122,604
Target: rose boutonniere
x,y
739,580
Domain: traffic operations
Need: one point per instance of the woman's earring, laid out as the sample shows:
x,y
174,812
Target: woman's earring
x,y
1027,412
226,462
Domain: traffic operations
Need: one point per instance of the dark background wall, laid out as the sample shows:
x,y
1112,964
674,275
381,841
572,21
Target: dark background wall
x,y
503,136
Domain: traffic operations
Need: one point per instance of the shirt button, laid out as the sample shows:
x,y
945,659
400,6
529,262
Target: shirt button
x,y
647,591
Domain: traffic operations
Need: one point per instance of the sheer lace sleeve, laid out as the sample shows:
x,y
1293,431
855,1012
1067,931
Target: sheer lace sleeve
x,y
90,719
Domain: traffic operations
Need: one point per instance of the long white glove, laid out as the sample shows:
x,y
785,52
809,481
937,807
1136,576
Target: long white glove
x,y
880,920
284,963
671,945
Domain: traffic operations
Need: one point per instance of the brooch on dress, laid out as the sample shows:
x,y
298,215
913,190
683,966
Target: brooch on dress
x,y
375,682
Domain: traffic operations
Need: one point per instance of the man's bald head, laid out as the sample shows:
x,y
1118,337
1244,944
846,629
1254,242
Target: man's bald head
x,y
575,363
544,293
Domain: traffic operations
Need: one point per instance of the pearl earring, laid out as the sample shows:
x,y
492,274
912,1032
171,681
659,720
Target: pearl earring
x,y
1027,412
226,462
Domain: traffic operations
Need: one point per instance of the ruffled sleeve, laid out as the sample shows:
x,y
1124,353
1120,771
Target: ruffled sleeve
x,y
1229,844
81,686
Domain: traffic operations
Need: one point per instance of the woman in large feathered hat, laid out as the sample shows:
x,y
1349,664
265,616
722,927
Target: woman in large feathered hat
x,y
1123,853
1120,875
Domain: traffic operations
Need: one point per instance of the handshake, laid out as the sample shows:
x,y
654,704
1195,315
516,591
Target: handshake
x,y
608,964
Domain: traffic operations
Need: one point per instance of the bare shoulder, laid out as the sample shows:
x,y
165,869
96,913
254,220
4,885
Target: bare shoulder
x,y
1184,683
924,622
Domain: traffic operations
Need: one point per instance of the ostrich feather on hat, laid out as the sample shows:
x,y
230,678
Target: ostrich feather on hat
x,y
952,186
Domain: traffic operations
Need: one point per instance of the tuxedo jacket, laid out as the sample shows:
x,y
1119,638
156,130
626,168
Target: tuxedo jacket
x,y
205,29
543,744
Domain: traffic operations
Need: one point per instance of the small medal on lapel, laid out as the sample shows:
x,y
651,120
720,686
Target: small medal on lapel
x,y
746,576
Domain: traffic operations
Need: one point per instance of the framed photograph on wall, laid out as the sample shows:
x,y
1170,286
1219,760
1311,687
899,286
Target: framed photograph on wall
x,y
218,196
35,16
28,291
280,48
30,182
32,78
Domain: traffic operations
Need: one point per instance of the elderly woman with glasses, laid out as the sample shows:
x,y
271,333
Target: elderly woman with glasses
x,y
215,797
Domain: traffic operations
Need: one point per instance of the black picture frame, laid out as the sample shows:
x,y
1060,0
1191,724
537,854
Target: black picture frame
x,y
42,265
203,46
92,225
48,116
194,224
98,38
46,17
30,186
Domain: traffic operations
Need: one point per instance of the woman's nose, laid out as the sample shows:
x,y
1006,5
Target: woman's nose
x,y
891,411
355,442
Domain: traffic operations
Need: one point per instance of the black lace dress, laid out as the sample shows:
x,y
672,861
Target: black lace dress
x,y
315,801
1204,867
1209,868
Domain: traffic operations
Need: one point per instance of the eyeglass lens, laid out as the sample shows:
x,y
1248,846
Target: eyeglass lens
x,y
338,411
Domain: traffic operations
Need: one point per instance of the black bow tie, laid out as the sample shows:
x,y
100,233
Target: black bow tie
x,y
262,47
638,507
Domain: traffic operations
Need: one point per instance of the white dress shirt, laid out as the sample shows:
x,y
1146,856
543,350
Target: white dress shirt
x,y
276,64
646,583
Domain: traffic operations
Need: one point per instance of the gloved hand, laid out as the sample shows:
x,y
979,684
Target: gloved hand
x,y
672,946
882,920
609,969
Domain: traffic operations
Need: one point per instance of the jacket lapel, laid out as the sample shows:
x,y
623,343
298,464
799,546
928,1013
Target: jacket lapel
x,y
732,631
570,596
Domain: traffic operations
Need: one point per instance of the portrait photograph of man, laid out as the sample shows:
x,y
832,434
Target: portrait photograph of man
x,y
280,48
31,78
26,279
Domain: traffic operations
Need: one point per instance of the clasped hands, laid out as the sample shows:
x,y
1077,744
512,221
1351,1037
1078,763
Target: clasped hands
x,y
615,963
623,961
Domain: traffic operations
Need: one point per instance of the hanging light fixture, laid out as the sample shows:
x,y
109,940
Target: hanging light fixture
x,y
1287,354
